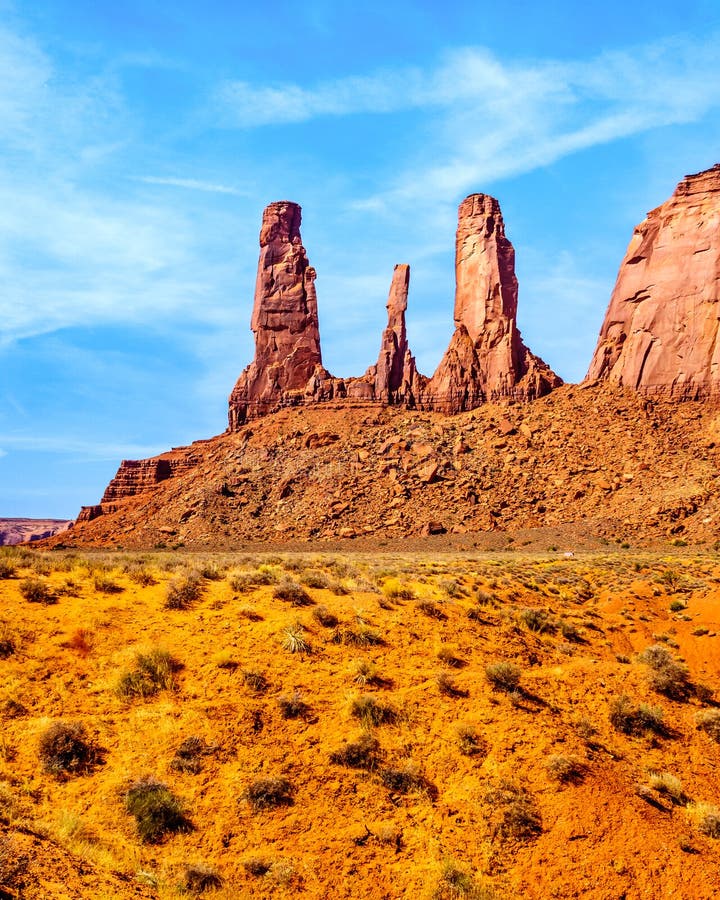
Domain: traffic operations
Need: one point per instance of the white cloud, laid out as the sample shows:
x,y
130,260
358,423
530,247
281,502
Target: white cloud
x,y
191,184
78,447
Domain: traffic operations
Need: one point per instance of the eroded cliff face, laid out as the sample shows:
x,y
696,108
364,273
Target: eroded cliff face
x,y
660,334
486,359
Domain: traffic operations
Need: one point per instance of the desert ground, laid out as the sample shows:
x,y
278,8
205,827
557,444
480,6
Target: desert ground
x,y
435,724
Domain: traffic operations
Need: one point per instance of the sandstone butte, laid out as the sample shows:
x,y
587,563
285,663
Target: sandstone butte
x,y
660,335
659,338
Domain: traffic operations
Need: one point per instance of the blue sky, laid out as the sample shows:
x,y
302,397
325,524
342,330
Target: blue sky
x,y
140,141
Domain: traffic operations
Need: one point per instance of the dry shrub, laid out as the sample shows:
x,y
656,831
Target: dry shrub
x,y
200,878
708,720
625,716
8,643
503,676
244,582
182,592
362,753
291,592
324,617
403,779
107,585
565,769
470,742
255,680
372,712
518,818
66,750
455,883
157,811
292,706
154,671
268,793
188,756
34,590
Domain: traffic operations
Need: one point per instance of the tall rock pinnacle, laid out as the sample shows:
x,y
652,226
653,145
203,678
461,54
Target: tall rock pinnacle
x,y
486,359
284,320
395,372
660,334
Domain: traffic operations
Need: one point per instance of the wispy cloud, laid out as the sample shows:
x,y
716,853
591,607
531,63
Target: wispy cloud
x,y
77,447
192,184
489,119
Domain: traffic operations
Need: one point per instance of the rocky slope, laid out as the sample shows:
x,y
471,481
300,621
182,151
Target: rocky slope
x,y
612,461
660,333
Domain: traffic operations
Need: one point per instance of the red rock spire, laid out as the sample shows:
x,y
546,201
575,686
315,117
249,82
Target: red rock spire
x,y
486,359
284,320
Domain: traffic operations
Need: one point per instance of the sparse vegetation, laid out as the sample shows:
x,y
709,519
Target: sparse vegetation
x,y
455,883
200,878
291,592
188,756
565,769
294,639
372,712
292,706
708,720
13,865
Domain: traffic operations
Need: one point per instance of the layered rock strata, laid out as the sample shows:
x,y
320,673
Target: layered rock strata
x,y
284,321
660,334
486,358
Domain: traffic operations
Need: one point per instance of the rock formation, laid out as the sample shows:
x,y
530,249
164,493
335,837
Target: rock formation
x,y
394,375
486,359
284,320
660,334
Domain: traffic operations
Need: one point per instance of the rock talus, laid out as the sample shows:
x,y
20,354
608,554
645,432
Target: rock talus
x,y
486,359
660,334
284,321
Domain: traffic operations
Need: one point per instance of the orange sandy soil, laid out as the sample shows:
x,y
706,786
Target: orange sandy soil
x,y
607,834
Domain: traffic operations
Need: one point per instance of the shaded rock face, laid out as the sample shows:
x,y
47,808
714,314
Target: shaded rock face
x,y
660,334
284,320
486,359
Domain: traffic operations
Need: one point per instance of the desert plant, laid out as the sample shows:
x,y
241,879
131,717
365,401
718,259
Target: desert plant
x,y
34,590
469,741
669,786
571,632
565,769
708,720
372,712
291,592
455,883
324,617
107,585
393,589
708,819
7,569
447,687
365,672
636,720
66,750
267,793
7,640
449,657
255,680
154,671
182,592
314,578
362,753
292,706
519,818
294,640
359,636
200,878
430,609
188,756
140,575
403,779
537,620
668,676
503,676
257,866
156,809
